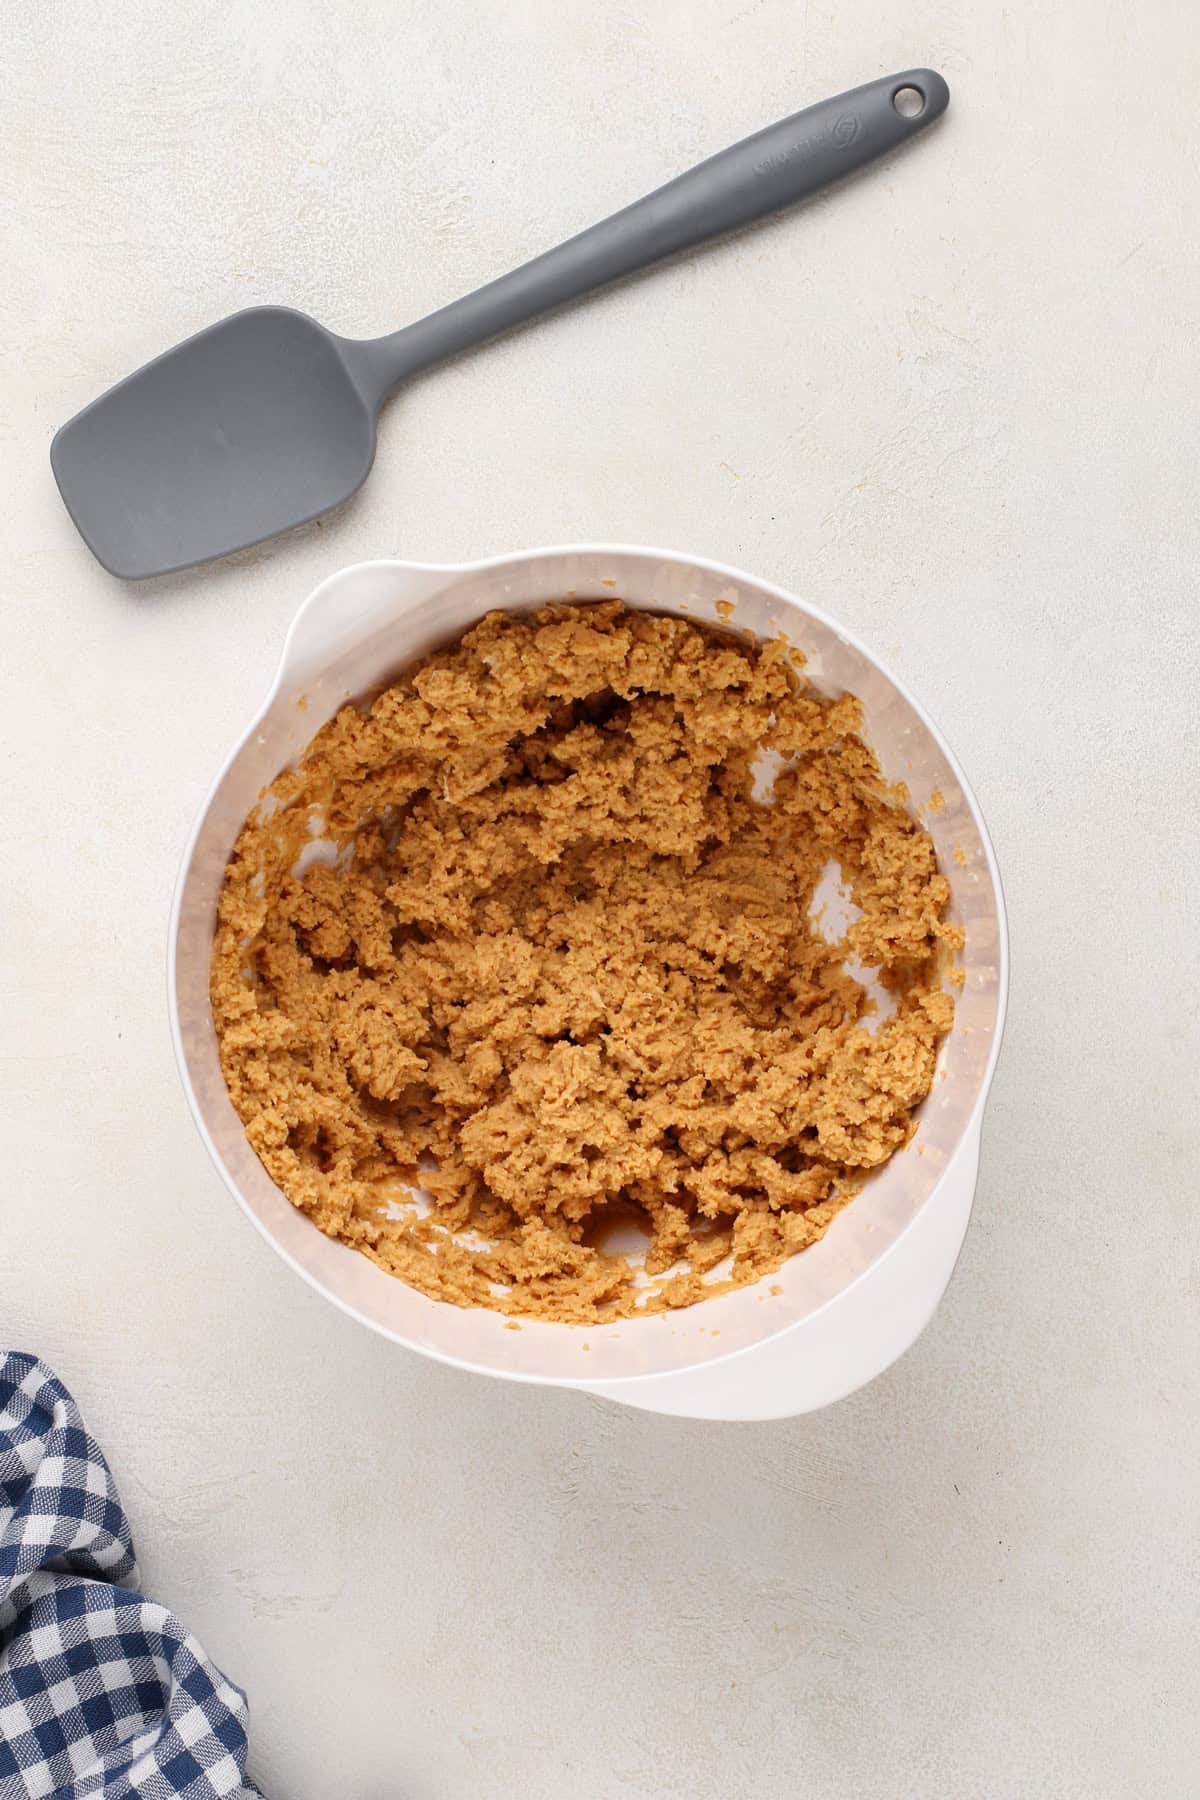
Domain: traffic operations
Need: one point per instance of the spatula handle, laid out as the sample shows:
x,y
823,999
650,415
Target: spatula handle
x,y
762,174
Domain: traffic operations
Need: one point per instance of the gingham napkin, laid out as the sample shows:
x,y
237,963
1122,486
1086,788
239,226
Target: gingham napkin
x,y
101,1692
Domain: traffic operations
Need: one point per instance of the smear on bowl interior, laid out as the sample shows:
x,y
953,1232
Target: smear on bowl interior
x,y
527,933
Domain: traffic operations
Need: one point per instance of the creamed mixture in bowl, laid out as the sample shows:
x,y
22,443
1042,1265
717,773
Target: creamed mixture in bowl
x,y
534,932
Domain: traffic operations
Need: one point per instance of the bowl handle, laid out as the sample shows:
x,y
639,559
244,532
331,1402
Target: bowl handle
x,y
349,607
844,1344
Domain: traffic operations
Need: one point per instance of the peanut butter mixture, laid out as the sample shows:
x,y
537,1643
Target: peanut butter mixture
x,y
555,963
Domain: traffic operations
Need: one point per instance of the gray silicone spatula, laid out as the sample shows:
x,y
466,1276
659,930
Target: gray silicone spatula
x,y
266,419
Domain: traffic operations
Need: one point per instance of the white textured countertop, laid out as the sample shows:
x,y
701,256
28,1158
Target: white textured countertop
x,y
956,405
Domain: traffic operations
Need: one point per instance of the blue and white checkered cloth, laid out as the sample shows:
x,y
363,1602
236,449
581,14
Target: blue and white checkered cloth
x,y
101,1692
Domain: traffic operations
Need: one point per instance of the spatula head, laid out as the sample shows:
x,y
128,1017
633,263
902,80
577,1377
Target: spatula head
x,y
251,426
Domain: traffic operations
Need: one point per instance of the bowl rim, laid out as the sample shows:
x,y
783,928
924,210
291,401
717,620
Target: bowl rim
x,y
480,565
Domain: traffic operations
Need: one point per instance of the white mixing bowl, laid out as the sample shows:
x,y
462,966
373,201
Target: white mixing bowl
x,y
833,1317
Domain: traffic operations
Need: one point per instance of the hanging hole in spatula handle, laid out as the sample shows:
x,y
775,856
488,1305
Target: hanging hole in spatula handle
x,y
909,102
